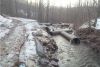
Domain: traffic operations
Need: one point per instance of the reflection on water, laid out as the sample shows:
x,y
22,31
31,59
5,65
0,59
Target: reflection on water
x,y
75,55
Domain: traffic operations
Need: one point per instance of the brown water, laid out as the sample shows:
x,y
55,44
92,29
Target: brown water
x,y
75,55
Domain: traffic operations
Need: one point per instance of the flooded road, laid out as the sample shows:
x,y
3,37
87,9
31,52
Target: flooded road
x,y
75,55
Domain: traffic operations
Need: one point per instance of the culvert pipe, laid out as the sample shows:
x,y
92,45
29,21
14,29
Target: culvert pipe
x,y
72,38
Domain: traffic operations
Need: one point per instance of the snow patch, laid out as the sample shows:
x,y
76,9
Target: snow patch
x,y
23,19
6,22
98,24
28,52
3,32
5,25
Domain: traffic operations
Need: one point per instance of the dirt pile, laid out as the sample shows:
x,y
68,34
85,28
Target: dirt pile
x,y
91,37
47,54
46,49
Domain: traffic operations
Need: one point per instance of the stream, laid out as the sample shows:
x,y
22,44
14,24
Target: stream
x,y
75,55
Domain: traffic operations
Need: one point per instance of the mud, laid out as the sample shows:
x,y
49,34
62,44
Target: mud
x,y
46,50
91,37
70,55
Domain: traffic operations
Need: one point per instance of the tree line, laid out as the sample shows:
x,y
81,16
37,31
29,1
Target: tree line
x,y
45,13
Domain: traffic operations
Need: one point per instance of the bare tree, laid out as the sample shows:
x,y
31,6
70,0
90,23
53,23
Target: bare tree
x,y
96,9
89,20
27,9
40,16
16,12
0,7
47,12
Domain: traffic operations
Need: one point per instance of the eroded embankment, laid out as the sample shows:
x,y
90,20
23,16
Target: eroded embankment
x,y
91,37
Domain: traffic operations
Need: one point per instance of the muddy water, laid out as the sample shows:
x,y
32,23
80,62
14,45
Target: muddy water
x,y
75,55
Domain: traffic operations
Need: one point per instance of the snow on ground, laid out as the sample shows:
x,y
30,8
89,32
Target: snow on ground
x,y
3,32
98,24
20,48
10,47
5,22
2,19
24,20
28,53
14,41
5,25
86,25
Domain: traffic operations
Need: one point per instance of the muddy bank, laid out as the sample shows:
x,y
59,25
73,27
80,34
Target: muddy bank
x,y
75,55
91,37
46,49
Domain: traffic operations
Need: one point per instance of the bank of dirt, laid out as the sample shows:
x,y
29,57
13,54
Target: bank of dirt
x,y
90,37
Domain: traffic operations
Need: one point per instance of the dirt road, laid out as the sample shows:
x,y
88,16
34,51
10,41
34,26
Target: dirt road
x,y
10,45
